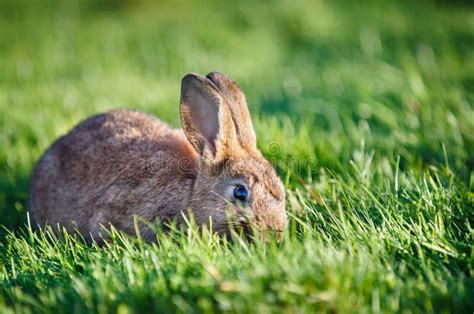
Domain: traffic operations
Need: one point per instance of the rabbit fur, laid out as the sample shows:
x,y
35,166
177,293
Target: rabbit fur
x,y
124,163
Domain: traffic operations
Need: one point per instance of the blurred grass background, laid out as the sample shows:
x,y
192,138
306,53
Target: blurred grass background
x,y
398,76
359,93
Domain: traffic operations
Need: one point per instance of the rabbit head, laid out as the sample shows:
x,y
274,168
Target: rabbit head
x,y
235,185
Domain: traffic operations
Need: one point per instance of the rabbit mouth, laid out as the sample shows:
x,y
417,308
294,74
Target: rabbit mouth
x,y
245,228
251,229
240,227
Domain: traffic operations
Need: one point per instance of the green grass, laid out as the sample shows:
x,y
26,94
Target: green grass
x,y
366,110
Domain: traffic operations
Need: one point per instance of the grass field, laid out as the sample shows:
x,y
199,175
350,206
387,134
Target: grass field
x,y
367,111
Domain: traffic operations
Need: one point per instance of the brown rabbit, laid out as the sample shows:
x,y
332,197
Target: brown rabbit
x,y
123,163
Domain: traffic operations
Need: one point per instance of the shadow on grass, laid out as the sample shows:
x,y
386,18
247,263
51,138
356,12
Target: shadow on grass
x,y
13,201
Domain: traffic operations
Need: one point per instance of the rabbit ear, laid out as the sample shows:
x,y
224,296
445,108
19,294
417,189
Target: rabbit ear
x,y
206,119
235,99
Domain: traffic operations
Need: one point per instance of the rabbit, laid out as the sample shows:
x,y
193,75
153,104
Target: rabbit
x,y
125,163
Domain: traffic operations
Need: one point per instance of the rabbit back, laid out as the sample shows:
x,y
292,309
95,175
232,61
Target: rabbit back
x,y
109,168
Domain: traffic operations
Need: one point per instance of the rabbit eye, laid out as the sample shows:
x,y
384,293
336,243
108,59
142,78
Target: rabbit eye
x,y
241,193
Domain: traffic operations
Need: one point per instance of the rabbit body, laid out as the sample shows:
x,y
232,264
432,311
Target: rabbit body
x,y
124,163
110,167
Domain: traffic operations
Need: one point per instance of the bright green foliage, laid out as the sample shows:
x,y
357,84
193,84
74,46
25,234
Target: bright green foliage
x,y
366,110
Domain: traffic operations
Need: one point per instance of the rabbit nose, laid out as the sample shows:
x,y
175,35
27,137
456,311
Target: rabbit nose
x,y
267,235
274,226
